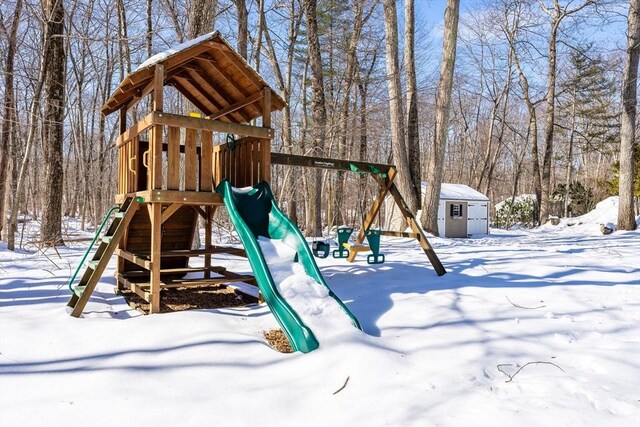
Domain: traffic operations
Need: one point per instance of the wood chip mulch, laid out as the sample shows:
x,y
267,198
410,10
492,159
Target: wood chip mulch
x,y
180,299
278,340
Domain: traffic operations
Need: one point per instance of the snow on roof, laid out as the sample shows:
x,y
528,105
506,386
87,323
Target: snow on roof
x,y
457,192
158,57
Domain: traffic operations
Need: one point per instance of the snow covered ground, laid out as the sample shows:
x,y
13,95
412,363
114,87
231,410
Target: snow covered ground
x,y
438,351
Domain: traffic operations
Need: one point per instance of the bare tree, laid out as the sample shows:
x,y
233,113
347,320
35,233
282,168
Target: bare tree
x,y
626,217
9,107
284,81
397,118
257,46
512,26
413,142
175,19
243,26
31,136
55,85
202,17
318,105
557,13
149,35
350,74
443,107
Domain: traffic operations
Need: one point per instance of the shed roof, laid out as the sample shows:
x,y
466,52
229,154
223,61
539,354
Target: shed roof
x,y
209,73
458,192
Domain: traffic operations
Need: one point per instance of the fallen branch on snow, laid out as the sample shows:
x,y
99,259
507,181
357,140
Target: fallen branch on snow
x,y
512,376
343,386
520,306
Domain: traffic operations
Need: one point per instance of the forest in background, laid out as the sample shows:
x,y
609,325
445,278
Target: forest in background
x,y
535,105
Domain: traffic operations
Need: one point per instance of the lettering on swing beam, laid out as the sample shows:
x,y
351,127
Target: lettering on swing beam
x,y
328,164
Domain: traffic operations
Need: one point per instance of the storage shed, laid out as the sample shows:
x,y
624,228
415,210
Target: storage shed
x,y
462,211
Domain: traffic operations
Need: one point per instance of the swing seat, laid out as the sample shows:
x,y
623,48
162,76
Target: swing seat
x,y
375,259
320,249
343,237
373,238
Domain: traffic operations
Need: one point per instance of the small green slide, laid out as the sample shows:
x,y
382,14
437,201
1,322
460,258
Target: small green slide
x,y
253,213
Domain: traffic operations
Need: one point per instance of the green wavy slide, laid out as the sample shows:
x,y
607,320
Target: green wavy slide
x,y
253,213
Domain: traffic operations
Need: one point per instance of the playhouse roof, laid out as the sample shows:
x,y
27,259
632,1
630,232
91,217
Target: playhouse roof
x,y
458,192
209,73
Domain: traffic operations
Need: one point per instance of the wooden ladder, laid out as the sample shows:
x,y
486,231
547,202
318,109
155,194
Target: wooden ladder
x,y
94,268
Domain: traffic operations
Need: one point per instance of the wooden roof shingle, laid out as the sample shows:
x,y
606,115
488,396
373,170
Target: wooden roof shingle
x,y
209,73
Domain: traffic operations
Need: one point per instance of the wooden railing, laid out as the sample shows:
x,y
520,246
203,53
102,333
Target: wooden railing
x,y
128,169
246,164
172,152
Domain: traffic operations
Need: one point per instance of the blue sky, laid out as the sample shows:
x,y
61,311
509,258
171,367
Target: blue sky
x,y
608,37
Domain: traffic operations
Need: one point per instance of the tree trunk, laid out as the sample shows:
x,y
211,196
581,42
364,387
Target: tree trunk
x,y
549,122
350,74
123,46
569,172
202,17
257,51
511,29
443,107
177,21
488,149
413,143
243,27
398,144
557,15
626,217
318,105
284,84
149,35
9,109
51,232
506,90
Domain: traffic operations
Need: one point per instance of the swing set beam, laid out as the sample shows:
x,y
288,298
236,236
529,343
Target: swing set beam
x,y
326,163
384,175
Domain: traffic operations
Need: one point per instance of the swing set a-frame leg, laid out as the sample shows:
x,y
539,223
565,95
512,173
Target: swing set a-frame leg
x,y
415,227
388,186
385,184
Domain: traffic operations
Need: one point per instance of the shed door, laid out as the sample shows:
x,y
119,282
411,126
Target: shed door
x,y
441,218
456,219
478,218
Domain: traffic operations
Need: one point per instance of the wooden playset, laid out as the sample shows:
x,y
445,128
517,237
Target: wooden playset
x,y
169,166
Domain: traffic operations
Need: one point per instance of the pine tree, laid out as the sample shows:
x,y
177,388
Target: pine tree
x,y
587,108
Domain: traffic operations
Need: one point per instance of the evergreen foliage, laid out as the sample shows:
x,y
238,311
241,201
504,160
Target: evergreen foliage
x,y
520,211
588,102
613,185
581,199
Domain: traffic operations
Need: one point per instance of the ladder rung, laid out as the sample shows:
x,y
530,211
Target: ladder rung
x,y
119,215
79,290
107,239
92,264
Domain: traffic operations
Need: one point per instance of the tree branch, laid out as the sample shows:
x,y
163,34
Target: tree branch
x,y
511,377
